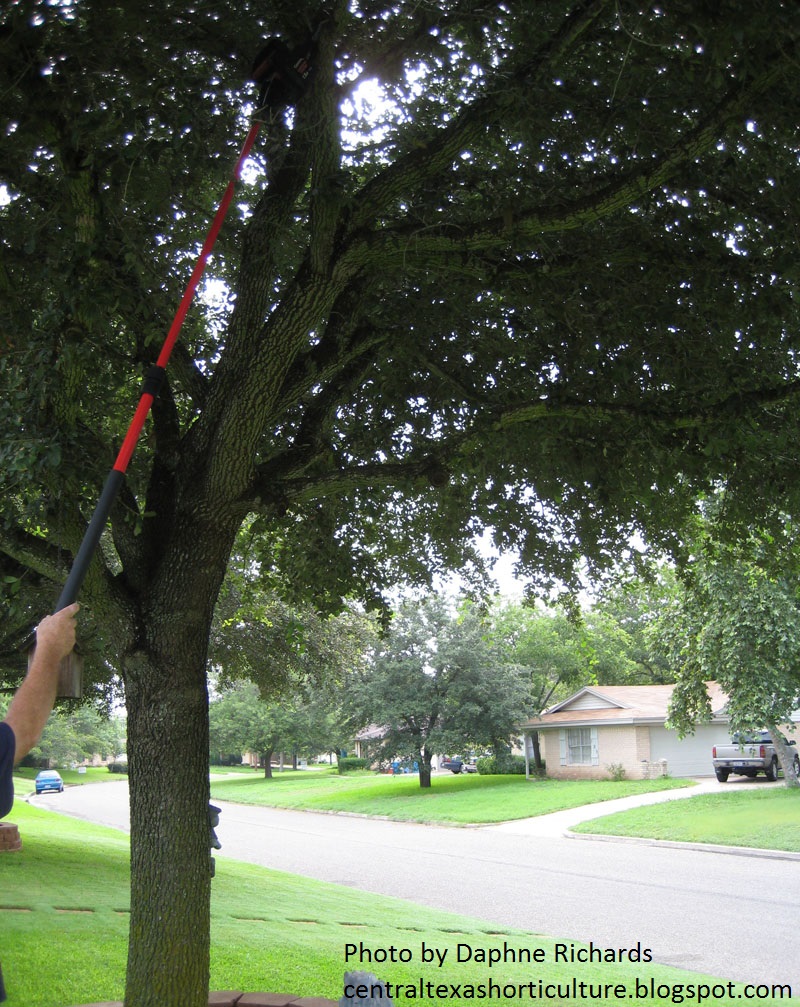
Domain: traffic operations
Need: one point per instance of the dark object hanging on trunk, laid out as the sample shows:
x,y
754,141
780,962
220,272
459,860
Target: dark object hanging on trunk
x,y
213,821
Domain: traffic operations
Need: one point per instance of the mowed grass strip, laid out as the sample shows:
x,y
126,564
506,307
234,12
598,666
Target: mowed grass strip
x,y
64,922
768,819
465,799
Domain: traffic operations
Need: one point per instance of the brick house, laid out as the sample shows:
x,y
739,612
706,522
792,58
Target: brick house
x,y
624,726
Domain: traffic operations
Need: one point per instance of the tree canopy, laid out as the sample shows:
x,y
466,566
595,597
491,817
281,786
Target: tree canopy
x,y
547,286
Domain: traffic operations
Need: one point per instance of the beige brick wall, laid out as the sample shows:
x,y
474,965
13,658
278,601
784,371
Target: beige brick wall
x,y
628,746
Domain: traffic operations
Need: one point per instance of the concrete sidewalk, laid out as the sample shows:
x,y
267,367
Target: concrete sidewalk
x,y
559,823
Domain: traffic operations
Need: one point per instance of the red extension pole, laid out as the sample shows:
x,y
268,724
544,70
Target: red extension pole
x,y
150,389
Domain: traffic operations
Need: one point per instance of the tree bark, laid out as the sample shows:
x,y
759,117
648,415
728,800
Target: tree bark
x,y
267,757
168,742
425,761
168,957
787,756
537,752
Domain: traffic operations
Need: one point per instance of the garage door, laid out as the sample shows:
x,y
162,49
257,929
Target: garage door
x,y
689,756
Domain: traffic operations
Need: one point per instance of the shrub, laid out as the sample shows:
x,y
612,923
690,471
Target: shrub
x,y
118,767
514,765
351,764
506,765
616,771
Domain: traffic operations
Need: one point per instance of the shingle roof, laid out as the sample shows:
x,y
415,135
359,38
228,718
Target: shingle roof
x,y
620,704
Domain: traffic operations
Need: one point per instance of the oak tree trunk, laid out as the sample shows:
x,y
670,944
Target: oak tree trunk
x,y
168,957
168,743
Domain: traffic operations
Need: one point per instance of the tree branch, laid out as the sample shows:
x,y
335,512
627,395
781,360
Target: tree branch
x,y
408,172
35,553
736,405
273,483
397,245
335,481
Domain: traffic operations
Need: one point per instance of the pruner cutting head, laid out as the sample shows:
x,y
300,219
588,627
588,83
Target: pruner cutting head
x,y
283,74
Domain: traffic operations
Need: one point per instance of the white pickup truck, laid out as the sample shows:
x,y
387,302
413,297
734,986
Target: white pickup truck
x,y
747,755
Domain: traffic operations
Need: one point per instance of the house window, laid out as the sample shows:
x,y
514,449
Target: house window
x,y
579,746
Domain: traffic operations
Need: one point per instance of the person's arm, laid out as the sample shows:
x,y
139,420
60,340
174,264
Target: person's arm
x,y
33,701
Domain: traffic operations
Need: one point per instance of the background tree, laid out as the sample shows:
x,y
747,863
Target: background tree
x,y
549,648
303,723
258,636
298,658
559,651
435,685
229,719
323,725
635,603
282,669
73,736
241,721
735,619
549,287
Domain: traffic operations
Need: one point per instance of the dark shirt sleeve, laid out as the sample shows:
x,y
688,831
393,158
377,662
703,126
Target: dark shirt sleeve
x,y
7,748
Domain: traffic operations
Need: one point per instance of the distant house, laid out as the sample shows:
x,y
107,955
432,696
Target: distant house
x,y
367,741
624,726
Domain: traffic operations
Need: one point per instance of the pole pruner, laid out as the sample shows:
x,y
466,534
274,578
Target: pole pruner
x,y
283,76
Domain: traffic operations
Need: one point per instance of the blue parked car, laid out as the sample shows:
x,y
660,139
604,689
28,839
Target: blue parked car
x,y
49,779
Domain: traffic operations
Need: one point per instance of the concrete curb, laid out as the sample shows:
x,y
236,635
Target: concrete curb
x,y
734,851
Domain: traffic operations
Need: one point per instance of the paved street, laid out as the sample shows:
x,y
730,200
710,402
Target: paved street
x,y
690,907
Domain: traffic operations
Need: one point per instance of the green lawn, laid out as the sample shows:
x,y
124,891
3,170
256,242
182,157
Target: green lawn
x,y
766,819
460,800
232,771
64,914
